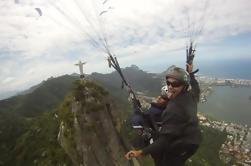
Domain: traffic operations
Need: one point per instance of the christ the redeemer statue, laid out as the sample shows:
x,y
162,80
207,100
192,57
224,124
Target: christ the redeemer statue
x,y
80,65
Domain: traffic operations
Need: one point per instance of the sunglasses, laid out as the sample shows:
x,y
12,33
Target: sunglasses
x,y
174,84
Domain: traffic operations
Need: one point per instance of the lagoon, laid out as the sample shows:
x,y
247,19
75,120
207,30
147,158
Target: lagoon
x,y
229,104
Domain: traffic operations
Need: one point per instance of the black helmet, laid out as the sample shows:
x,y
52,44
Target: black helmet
x,y
178,74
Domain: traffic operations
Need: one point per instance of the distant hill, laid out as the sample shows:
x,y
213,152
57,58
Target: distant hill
x,y
138,79
48,94
7,94
38,99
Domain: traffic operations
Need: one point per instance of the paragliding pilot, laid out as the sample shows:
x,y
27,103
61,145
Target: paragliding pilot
x,y
179,136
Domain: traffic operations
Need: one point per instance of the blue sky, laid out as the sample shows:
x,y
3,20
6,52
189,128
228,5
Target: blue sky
x,y
149,33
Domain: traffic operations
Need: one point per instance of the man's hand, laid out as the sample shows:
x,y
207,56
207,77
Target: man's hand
x,y
133,153
189,68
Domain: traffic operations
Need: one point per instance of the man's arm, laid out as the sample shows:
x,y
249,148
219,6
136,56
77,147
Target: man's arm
x,y
195,88
157,145
194,83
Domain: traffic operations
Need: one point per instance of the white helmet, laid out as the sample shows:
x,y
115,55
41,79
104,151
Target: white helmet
x,y
164,90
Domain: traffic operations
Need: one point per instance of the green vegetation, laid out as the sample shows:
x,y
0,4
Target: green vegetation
x,y
140,80
89,94
31,141
39,144
65,116
42,99
208,153
11,128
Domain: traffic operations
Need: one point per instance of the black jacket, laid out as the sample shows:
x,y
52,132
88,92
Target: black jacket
x,y
179,121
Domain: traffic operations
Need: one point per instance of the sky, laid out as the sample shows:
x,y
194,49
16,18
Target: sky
x,y
151,34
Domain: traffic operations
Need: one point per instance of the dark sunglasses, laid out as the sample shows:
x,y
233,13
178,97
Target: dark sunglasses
x,y
174,84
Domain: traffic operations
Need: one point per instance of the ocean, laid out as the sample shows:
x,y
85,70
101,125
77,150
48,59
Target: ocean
x,y
232,68
220,68
229,104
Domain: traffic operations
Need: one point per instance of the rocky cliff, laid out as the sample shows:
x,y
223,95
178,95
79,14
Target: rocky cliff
x,y
90,128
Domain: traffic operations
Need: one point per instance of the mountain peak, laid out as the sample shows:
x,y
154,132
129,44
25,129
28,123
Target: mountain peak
x,y
88,128
135,67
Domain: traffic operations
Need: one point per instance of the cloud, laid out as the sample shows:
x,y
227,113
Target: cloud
x,y
36,47
8,80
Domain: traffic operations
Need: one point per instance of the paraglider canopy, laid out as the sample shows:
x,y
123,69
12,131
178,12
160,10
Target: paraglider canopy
x,y
39,11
